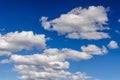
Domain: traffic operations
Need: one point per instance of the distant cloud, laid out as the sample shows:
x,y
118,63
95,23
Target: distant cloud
x,y
113,45
93,49
80,23
17,41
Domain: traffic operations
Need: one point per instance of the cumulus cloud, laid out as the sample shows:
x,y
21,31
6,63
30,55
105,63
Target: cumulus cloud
x,y
17,41
51,55
93,49
80,23
52,64
113,45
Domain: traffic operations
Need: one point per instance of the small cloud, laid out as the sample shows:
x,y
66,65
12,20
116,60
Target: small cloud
x,y
94,50
113,45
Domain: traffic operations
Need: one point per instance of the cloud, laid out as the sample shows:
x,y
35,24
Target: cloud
x,y
80,23
113,45
93,49
35,73
17,41
51,55
52,64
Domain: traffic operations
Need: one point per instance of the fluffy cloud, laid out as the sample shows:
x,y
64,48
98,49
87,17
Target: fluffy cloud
x,y
52,64
51,56
93,49
30,73
17,41
80,23
113,45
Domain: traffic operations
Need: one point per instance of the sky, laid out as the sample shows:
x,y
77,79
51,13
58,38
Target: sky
x,y
59,40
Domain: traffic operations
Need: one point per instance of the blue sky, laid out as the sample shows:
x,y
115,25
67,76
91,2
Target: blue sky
x,y
23,32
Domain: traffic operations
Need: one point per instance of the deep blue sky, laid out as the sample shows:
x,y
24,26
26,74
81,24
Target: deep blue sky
x,y
19,15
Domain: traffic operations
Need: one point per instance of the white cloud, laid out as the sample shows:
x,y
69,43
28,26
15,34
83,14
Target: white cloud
x,y
52,64
113,45
34,73
51,55
17,41
93,49
80,76
80,23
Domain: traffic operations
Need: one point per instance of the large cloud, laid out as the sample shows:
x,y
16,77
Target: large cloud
x,y
80,23
17,41
52,64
